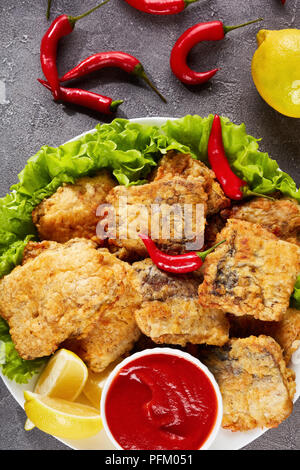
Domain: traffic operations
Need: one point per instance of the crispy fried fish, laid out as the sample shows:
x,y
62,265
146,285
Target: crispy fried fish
x,y
252,273
256,387
71,211
286,332
170,312
60,292
179,164
171,211
113,334
281,216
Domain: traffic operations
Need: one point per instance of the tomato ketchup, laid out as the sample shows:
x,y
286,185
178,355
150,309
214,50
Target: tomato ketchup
x,y
161,402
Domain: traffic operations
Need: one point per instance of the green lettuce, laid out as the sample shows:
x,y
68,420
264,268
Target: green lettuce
x,y
130,151
295,299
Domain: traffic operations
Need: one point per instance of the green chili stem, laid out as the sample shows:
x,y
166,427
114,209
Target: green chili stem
x,y
115,104
203,254
187,2
73,19
140,72
227,29
248,192
48,9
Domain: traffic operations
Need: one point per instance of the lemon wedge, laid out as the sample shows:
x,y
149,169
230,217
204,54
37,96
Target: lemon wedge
x,y
95,383
63,377
28,426
62,418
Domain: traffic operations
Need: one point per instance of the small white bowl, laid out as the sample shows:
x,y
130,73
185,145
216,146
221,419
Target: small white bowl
x,y
173,352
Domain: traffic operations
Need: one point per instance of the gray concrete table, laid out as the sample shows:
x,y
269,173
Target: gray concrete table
x,y
29,118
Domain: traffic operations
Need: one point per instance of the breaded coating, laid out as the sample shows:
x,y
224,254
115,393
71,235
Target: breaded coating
x,y
281,216
252,273
170,311
112,335
286,332
148,208
71,211
256,387
179,164
60,293
34,249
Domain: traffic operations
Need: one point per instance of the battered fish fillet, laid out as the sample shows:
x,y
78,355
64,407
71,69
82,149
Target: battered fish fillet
x,y
60,293
256,387
179,164
286,332
281,216
252,273
112,336
148,208
170,311
71,211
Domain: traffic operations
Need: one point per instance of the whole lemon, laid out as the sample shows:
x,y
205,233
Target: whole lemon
x,y
276,69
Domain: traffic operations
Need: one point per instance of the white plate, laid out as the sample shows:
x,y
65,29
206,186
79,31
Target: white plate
x,y
226,440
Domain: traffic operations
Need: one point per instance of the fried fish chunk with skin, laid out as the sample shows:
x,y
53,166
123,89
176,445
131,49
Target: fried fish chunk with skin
x,y
60,293
286,332
177,206
252,273
281,216
71,211
256,386
170,312
180,164
112,336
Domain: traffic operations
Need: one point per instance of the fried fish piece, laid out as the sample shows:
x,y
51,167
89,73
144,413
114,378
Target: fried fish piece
x,y
281,216
113,334
71,211
252,273
60,293
180,164
256,386
170,312
286,332
172,212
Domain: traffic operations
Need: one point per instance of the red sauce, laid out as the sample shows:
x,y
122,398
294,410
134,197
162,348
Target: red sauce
x,y
161,402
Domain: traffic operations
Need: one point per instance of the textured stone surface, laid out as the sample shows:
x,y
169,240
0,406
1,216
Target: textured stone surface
x,y
29,118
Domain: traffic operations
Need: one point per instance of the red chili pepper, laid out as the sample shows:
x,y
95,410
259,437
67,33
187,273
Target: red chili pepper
x,y
61,26
283,2
122,60
100,103
178,264
231,184
160,7
212,31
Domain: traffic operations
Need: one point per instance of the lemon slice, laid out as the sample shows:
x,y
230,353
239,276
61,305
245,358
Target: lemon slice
x,y
95,383
63,377
62,418
28,426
